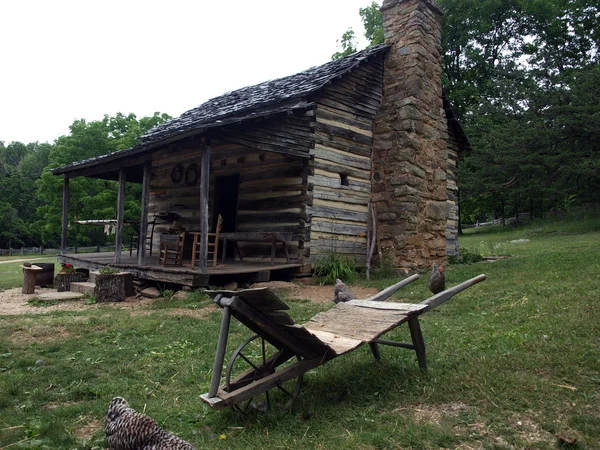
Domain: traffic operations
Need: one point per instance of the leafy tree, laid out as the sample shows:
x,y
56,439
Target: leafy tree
x,y
89,198
348,44
523,78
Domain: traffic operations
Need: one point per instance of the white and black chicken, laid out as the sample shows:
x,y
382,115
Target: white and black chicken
x,y
127,429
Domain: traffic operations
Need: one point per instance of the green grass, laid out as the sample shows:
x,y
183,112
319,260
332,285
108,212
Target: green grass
x,y
11,274
513,362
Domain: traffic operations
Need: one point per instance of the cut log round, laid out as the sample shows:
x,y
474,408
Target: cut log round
x,y
110,288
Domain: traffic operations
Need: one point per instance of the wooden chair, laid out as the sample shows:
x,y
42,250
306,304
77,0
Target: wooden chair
x,y
213,244
135,240
171,249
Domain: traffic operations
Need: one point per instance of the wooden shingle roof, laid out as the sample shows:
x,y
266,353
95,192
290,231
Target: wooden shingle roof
x,y
263,95
249,103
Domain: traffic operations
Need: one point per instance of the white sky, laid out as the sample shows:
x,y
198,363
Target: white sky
x,y
64,60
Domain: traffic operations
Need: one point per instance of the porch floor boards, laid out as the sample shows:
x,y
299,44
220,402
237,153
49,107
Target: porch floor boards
x,y
185,274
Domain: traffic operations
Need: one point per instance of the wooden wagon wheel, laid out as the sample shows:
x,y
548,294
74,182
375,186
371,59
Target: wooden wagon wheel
x,y
253,360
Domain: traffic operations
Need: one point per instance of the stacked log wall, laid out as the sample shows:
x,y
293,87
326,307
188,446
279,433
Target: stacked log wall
x,y
272,194
340,163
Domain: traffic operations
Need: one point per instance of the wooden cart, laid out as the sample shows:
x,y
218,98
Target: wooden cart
x,y
281,351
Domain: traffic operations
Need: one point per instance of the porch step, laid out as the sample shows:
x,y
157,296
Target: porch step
x,y
93,274
83,287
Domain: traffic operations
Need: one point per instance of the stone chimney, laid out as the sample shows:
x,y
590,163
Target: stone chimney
x,y
410,155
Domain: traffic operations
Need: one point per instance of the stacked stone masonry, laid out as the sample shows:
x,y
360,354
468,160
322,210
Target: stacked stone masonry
x,y
410,149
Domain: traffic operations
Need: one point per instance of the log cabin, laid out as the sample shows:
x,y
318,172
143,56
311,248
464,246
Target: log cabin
x,y
314,158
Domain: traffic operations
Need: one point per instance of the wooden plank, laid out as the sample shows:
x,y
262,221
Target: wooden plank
x,y
333,155
344,133
65,216
339,124
339,228
363,324
339,344
408,308
142,235
204,188
339,213
120,215
355,148
340,203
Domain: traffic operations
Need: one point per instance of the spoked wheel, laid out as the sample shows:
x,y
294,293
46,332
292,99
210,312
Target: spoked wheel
x,y
254,360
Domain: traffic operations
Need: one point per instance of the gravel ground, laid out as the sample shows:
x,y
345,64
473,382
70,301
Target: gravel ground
x,y
13,302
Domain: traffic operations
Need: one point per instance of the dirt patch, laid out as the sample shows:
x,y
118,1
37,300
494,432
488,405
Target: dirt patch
x,y
13,302
85,428
324,294
40,334
434,414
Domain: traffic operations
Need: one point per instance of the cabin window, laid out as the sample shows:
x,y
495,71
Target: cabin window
x,y
344,179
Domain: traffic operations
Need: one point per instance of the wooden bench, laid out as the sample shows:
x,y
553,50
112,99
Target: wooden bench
x,y
327,335
269,237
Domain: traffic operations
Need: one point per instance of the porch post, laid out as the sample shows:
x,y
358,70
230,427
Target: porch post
x,y
204,186
120,214
144,216
65,216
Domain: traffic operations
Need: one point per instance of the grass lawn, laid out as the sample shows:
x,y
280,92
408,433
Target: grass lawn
x,y
11,274
513,362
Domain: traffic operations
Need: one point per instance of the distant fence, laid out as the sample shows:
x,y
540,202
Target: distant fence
x,y
507,221
33,251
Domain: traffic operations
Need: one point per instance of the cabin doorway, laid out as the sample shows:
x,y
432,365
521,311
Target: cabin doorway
x,y
226,204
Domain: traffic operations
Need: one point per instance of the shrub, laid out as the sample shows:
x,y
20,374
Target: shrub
x,y
334,266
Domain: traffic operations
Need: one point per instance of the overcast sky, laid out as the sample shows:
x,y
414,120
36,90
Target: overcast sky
x,y
65,60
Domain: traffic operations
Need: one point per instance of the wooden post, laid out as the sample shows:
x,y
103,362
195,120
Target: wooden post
x,y
204,187
65,217
418,342
120,214
215,378
144,216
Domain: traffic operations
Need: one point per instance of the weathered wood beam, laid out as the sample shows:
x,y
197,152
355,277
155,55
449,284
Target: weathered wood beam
x,y
204,188
438,299
215,378
65,217
120,215
142,235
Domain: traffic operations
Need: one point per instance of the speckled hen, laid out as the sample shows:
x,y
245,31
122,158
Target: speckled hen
x,y
127,429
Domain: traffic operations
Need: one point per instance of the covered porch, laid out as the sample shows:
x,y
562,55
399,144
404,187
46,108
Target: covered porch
x,y
185,274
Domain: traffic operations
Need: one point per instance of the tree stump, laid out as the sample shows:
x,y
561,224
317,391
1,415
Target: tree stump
x,y
29,272
110,288
63,281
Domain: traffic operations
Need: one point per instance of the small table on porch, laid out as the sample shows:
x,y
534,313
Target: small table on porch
x,y
272,237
